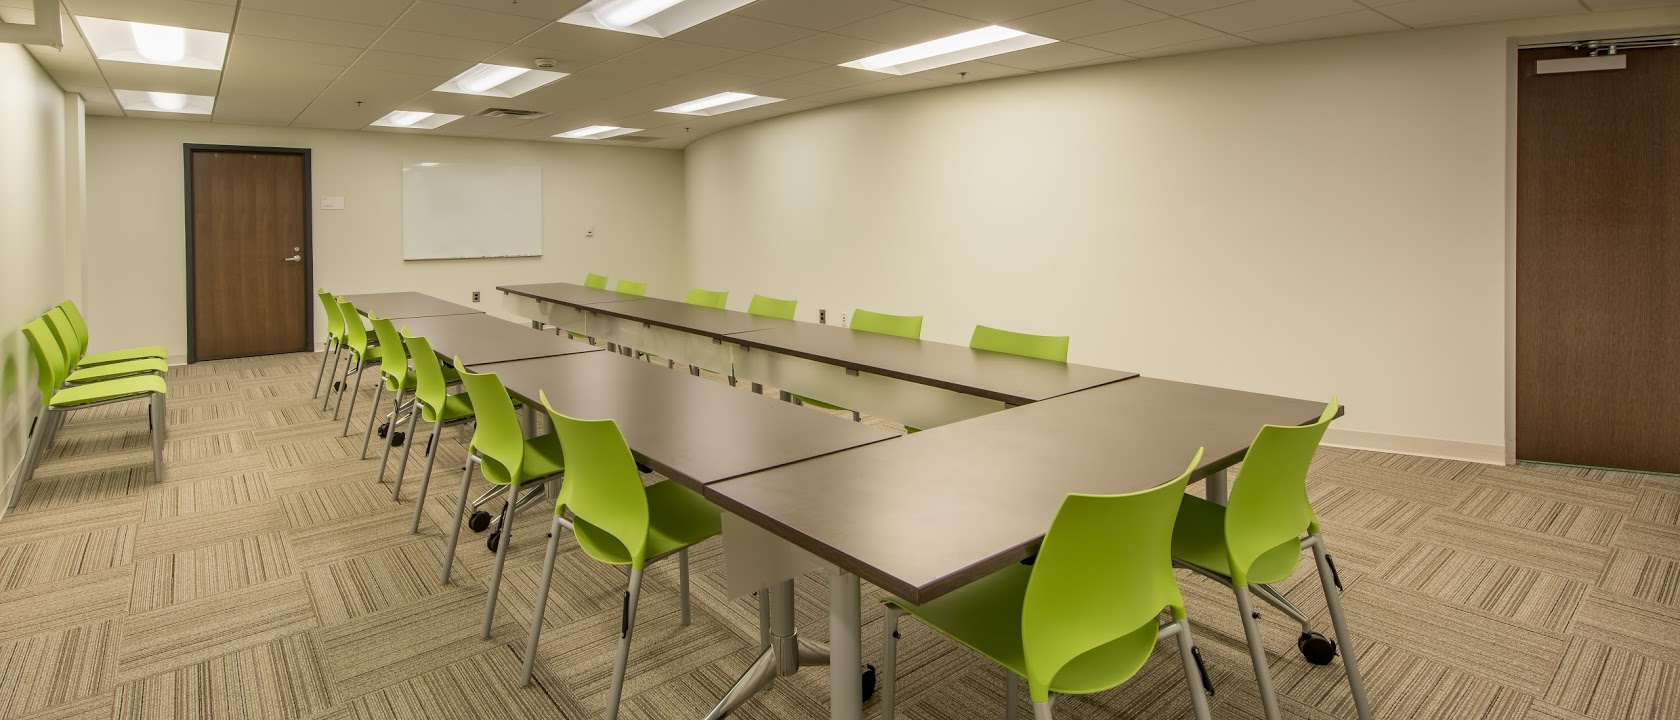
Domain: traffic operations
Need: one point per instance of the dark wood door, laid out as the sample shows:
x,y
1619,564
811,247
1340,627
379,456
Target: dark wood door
x,y
1598,263
249,254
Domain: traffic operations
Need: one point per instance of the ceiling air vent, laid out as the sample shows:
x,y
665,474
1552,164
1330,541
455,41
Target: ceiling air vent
x,y
511,113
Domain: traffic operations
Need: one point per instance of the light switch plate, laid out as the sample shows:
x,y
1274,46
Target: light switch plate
x,y
332,202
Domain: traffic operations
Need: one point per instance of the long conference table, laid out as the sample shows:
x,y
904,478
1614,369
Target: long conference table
x,y
917,515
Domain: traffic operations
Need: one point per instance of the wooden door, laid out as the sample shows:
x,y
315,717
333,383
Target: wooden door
x,y
248,252
1598,263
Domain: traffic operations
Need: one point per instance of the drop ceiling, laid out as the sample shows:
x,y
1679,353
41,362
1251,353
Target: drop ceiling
x,y
344,64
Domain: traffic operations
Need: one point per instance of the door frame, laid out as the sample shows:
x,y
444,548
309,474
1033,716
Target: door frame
x,y
187,150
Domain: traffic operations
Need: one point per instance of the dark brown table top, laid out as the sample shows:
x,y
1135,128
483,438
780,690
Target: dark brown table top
x,y
478,339
696,319
567,293
999,376
691,430
930,512
400,305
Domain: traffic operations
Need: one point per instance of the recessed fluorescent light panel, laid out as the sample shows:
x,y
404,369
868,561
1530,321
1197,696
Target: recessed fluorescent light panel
x,y
165,102
653,18
719,104
962,47
415,120
498,80
597,132
124,41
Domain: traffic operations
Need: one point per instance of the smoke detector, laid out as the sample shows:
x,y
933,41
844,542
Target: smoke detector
x,y
545,63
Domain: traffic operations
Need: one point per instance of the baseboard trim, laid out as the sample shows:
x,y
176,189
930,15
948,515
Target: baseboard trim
x,y
1486,454
176,360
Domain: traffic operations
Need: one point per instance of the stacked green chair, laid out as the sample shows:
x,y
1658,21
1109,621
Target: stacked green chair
x,y
1083,617
717,299
438,407
618,521
361,352
55,363
335,339
1256,539
78,324
1043,347
74,348
904,326
394,370
507,458
593,280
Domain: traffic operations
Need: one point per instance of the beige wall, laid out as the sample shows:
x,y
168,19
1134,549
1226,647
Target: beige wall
x,y
1311,219
136,276
38,145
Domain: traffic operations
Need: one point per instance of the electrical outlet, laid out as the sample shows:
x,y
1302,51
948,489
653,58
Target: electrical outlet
x,y
475,296
589,231
843,318
822,316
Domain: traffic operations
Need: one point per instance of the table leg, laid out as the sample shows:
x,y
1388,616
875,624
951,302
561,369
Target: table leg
x,y
1216,487
786,653
845,646
536,325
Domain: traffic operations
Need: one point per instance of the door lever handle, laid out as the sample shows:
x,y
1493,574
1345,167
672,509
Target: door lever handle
x,y
295,258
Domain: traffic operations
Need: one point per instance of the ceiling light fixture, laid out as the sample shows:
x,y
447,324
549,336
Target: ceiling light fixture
x,y
168,101
133,42
406,118
499,80
483,77
415,120
649,18
153,101
597,132
621,14
160,43
962,47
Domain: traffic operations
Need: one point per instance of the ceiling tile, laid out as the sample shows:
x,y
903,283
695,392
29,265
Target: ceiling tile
x,y
263,23
829,49
996,12
839,77
92,94
1100,61
817,14
443,46
908,26
545,9
580,47
1353,23
767,67
160,78
180,13
458,104
1185,7
707,82
367,12
1424,13
1087,18
1628,4
843,95
266,94
789,88
440,69
1049,56
738,32
465,22
975,70
1270,13
668,57
274,50
479,126
1161,33
1221,42
568,92
377,91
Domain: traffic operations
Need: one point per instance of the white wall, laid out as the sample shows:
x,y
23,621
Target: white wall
x,y
37,142
136,256
1305,219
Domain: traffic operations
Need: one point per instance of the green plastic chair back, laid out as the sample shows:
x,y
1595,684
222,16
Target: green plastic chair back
x,y
708,298
498,438
1268,504
393,362
1043,347
1104,571
907,326
65,336
49,357
771,307
430,388
335,319
592,280
355,336
603,489
78,324
631,287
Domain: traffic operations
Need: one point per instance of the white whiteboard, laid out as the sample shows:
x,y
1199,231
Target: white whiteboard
x,y
461,210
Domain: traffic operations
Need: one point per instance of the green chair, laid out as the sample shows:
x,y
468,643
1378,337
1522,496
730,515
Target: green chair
x,y
335,337
1082,618
904,326
631,287
79,325
362,352
438,407
592,280
73,348
1256,540
53,366
507,459
393,369
618,521
1043,347
708,298
772,307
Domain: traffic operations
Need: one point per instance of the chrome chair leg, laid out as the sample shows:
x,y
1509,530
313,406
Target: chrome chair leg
x,y
1257,653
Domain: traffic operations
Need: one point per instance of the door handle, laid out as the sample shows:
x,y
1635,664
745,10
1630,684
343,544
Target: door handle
x,y
295,258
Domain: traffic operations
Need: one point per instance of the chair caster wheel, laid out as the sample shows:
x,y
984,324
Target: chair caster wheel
x,y
868,682
493,541
478,521
384,428
1316,648
397,439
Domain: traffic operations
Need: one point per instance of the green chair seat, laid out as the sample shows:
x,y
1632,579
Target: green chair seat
x,y
455,407
450,376
542,458
125,368
1199,539
813,402
108,390
677,518
135,353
